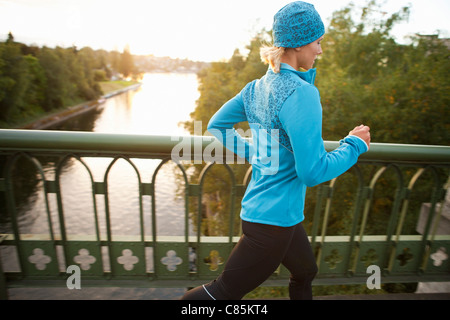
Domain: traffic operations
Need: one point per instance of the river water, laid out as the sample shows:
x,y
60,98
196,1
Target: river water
x,y
155,108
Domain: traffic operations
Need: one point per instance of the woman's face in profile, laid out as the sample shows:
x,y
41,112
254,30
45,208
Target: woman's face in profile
x,y
308,54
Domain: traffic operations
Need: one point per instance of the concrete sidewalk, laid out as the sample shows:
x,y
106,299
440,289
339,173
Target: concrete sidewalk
x,y
428,291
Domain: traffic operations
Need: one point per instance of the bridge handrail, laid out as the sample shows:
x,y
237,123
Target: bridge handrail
x,y
141,144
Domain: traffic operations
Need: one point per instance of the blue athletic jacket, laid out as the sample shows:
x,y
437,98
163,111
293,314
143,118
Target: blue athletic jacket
x,y
286,152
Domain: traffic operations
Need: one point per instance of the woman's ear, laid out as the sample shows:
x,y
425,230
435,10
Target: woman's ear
x,y
298,49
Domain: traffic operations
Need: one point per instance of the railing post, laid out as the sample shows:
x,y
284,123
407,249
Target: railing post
x,y
406,193
315,225
359,201
327,193
3,287
437,196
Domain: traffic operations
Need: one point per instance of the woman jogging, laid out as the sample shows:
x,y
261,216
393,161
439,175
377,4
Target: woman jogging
x,y
287,155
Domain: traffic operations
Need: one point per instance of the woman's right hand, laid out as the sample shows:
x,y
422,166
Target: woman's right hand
x,y
362,132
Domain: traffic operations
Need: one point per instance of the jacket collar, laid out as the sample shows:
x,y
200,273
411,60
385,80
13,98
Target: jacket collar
x,y
309,76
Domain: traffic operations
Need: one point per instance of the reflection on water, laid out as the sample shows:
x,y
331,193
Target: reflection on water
x,y
163,100
155,108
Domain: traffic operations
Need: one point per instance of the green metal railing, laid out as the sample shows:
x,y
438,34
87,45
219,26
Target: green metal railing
x,y
341,215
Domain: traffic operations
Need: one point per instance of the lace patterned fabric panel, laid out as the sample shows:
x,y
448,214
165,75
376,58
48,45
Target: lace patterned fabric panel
x,y
264,98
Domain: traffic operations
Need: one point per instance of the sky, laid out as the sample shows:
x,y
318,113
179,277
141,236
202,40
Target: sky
x,y
200,30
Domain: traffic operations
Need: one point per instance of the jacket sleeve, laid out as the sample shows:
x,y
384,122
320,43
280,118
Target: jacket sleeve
x,y
301,117
221,126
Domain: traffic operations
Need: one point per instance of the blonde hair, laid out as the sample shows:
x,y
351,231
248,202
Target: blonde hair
x,y
272,56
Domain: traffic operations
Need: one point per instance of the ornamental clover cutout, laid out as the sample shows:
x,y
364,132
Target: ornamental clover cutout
x,y
84,259
405,257
439,257
171,260
333,259
214,260
39,259
370,258
127,259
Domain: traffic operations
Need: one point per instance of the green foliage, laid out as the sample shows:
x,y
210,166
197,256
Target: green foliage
x,y
13,79
364,76
35,80
35,97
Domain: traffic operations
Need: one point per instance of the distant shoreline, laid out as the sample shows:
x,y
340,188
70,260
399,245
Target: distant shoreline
x,y
57,118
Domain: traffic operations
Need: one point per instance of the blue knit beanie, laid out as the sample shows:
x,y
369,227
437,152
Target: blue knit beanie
x,y
296,25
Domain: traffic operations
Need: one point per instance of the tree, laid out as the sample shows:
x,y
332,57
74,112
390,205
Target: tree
x,y
13,78
6,83
35,97
126,66
10,38
57,78
88,88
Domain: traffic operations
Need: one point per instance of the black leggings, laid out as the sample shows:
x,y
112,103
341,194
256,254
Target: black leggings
x,y
256,256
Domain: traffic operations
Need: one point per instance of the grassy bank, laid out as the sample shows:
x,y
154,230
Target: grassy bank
x,y
111,86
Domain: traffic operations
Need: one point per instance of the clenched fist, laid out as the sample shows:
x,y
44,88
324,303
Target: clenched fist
x,y
363,132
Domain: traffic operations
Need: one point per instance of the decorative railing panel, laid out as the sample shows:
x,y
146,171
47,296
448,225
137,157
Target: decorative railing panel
x,y
372,215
